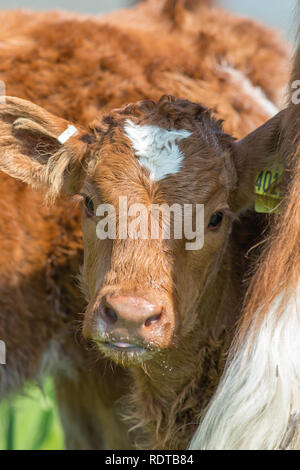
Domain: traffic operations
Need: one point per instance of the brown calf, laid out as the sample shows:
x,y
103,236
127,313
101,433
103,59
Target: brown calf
x,y
163,315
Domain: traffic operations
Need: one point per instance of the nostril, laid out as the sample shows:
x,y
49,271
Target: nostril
x,y
110,315
153,319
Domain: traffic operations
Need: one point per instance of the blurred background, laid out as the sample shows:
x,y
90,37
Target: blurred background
x,y
276,13
30,421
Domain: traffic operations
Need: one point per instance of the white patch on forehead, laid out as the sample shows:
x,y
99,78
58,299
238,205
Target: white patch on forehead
x,y
157,148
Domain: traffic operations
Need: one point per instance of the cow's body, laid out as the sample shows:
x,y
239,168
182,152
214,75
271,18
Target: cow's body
x,y
78,68
256,406
257,403
40,316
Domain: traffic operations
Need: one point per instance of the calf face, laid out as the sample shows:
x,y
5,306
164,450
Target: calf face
x,y
142,290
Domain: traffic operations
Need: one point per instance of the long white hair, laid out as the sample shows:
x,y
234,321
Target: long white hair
x,y
257,405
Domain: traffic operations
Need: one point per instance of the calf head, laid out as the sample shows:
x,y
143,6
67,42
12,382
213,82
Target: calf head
x,y
142,290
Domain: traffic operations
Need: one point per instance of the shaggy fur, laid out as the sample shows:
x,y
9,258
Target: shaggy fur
x,y
78,69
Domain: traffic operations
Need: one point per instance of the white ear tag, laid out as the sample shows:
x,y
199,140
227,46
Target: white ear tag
x,y
65,136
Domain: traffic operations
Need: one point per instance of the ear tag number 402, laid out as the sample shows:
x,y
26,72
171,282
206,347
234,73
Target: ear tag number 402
x,y
267,190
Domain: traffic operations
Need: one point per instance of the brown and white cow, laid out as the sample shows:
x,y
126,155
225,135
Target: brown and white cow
x,y
158,318
257,404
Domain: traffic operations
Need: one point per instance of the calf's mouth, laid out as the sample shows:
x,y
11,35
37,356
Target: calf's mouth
x,y
125,347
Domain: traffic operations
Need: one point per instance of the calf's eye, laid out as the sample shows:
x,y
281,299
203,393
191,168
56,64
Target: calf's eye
x,y
89,206
215,220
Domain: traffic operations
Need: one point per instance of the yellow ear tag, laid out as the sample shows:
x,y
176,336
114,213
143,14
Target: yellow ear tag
x,y
267,190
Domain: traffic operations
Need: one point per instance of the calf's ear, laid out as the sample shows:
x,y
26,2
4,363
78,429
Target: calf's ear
x,y
260,150
39,148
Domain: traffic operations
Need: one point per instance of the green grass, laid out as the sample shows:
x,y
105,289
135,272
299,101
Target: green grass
x,y
30,421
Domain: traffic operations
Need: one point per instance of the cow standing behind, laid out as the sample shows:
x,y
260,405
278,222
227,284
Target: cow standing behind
x,y
163,312
257,404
